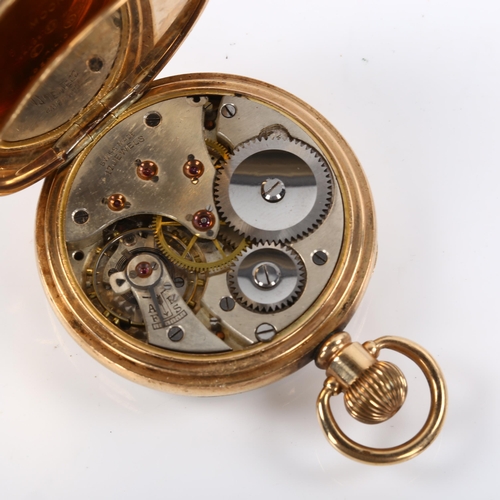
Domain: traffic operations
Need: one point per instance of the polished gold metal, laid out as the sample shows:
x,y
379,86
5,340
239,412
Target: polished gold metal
x,y
254,366
48,80
116,82
374,391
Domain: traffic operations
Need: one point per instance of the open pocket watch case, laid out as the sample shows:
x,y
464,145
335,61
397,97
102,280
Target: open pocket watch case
x,y
204,234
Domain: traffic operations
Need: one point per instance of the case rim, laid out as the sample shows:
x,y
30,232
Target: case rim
x,y
219,374
22,163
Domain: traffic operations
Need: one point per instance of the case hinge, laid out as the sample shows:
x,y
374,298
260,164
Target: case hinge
x,y
82,132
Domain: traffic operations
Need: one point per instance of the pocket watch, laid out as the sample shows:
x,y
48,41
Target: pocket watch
x,y
204,234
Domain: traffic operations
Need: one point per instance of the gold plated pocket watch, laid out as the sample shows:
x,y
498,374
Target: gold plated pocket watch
x,y
204,234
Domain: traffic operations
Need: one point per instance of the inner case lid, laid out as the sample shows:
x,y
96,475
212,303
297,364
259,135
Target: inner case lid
x,y
68,65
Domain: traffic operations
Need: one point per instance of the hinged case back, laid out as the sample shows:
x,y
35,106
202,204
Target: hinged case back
x,y
69,65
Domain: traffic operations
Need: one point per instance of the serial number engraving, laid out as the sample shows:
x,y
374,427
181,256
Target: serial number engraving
x,y
172,312
53,99
118,151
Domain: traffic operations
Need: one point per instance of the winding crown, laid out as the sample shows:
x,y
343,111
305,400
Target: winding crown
x,y
373,390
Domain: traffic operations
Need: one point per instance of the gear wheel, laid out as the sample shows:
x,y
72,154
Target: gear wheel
x,y
267,277
220,263
218,153
274,189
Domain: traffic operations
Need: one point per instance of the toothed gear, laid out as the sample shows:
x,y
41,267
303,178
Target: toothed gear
x,y
184,260
274,189
229,236
218,153
267,277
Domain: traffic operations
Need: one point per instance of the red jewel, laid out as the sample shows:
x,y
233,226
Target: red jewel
x,y
116,202
146,170
193,168
203,220
144,269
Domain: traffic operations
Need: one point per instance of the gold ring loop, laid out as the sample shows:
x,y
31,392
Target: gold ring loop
x,y
415,445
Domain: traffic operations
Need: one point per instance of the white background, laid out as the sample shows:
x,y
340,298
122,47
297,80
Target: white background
x,y
413,85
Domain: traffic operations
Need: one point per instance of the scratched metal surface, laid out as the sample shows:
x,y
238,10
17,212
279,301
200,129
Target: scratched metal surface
x,y
413,86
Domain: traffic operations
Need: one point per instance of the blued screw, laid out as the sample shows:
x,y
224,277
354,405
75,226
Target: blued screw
x,y
228,110
265,332
320,257
226,304
175,333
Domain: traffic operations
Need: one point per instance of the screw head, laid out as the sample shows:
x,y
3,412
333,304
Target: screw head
x,y
228,110
320,257
179,282
265,332
129,240
80,217
95,64
152,119
273,190
227,304
266,275
175,333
